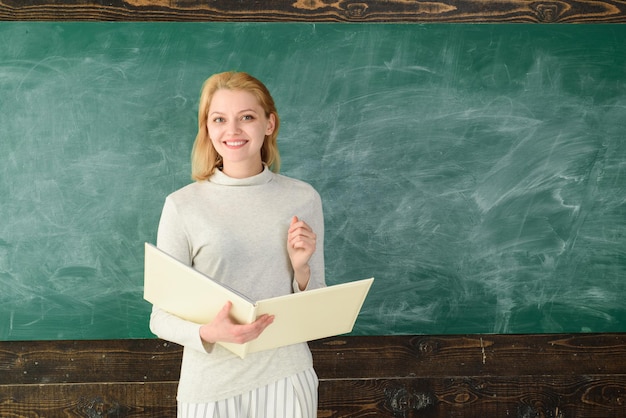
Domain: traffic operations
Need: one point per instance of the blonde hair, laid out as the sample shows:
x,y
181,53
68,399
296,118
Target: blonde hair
x,y
204,157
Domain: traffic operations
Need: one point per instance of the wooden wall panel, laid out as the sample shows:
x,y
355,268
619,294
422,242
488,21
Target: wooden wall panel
x,y
558,376
110,400
541,11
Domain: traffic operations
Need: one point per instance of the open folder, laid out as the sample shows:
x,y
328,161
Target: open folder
x,y
305,316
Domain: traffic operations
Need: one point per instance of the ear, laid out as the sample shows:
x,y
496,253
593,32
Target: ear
x,y
271,124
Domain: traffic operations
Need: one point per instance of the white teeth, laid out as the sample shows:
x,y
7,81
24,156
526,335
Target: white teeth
x,y
235,143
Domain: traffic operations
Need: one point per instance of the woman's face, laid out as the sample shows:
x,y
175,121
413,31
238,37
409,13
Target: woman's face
x,y
237,126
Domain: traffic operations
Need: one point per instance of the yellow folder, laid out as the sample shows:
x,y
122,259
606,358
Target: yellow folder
x,y
185,292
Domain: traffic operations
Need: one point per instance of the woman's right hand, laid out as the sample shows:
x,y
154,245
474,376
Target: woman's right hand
x,y
223,329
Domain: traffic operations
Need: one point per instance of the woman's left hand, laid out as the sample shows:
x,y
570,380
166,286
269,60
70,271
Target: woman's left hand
x,y
300,247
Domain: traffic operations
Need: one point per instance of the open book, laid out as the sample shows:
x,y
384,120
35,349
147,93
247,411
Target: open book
x,y
185,292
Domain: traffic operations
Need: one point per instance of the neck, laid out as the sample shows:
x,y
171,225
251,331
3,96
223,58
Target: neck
x,y
242,171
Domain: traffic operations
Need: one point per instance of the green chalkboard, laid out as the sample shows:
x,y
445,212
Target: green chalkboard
x,y
477,171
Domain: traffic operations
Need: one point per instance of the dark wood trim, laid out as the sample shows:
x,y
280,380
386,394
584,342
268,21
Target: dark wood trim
x,y
507,11
559,376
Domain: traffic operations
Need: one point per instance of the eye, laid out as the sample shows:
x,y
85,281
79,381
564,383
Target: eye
x,y
218,119
247,117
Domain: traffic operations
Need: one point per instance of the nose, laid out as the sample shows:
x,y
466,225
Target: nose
x,y
233,126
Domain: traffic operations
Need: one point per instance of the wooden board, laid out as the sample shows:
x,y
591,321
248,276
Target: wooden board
x,y
571,11
387,376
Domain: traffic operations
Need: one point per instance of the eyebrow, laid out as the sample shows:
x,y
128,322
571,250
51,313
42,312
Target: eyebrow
x,y
241,111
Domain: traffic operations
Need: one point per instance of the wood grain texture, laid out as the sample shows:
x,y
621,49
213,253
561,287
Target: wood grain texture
x,y
155,400
549,11
560,376
106,361
472,355
474,397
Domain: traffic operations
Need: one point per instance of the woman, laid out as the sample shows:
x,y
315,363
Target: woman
x,y
255,230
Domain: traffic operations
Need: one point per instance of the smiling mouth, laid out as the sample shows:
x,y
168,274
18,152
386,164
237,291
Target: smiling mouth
x,y
235,143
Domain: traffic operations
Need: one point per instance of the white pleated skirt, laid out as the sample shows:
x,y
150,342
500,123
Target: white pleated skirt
x,y
291,397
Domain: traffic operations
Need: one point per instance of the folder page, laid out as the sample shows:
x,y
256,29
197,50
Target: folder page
x,y
311,314
188,293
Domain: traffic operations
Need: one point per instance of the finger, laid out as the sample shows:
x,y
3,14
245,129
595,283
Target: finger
x,y
303,230
264,321
303,245
294,224
308,238
257,327
298,224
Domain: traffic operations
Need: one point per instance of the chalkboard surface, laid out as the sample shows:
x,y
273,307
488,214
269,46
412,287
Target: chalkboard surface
x,y
477,171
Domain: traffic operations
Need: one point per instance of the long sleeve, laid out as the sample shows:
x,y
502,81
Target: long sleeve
x,y
171,238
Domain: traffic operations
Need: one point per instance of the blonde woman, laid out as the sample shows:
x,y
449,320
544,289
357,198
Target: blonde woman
x,y
259,232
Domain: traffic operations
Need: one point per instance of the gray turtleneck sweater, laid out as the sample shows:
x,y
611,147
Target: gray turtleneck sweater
x,y
235,230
